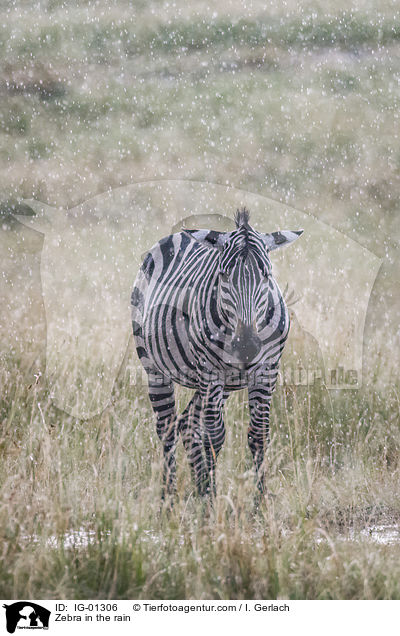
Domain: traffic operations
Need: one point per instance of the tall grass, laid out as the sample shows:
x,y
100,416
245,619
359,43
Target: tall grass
x,y
81,514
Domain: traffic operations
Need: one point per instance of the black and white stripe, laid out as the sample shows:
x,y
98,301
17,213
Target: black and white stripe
x,y
208,314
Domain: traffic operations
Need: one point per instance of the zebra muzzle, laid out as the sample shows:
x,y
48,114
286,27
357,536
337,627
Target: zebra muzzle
x,y
246,344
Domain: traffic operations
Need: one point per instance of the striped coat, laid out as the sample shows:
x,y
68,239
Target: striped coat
x,y
208,314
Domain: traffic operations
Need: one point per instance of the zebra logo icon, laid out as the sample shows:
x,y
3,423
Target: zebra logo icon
x,y
89,256
26,615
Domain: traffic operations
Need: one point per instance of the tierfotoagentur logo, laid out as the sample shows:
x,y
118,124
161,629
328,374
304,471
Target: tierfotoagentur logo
x,y
26,615
91,254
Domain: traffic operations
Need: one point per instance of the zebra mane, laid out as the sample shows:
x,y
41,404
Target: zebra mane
x,y
242,217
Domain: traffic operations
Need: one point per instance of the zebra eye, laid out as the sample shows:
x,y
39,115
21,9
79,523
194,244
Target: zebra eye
x,y
224,276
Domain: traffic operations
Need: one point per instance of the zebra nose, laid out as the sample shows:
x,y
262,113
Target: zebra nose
x,y
245,344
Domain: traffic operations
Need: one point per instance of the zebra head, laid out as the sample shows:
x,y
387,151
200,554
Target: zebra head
x,y
245,290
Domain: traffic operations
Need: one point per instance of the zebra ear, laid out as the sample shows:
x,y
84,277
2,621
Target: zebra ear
x,y
208,238
45,218
280,239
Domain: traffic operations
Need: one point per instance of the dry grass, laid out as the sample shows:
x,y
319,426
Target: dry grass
x,y
81,513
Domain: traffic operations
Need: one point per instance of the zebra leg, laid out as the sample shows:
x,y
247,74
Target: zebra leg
x,y
260,395
202,430
190,429
161,393
213,400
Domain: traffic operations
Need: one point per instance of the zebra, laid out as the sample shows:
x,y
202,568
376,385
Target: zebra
x,y
208,314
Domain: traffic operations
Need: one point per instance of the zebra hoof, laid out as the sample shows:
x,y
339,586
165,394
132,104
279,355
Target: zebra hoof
x,y
166,509
263,498
206,490
167,499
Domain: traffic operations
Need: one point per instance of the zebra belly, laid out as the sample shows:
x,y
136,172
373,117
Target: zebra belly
x,y
166,337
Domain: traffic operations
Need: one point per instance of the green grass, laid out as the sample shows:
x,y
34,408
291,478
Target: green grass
x,y
270,102
105,41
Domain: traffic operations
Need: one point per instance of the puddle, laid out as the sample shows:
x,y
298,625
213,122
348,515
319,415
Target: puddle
x,y
378,534
385,535
75,539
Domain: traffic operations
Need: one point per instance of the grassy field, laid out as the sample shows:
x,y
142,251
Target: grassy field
x,y
81,515
297,104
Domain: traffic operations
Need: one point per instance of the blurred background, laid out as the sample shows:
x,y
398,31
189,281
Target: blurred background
x,y
296,101
293,101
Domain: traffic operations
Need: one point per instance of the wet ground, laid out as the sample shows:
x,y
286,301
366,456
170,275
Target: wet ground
x,y
384,534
